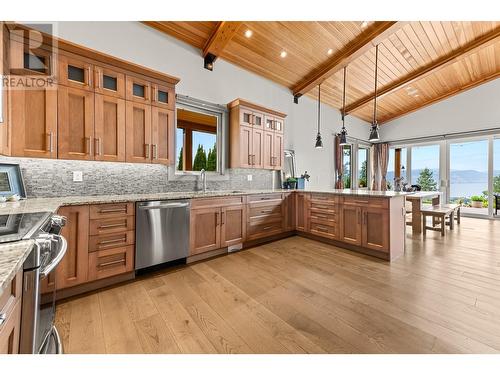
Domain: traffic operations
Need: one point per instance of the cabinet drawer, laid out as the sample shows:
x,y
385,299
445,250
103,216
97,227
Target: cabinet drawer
x,y
217,202
322,217
323,197
257,210
264,229
109,241
264,197
321,229
111,262
323,206
102,211
113,225
366,202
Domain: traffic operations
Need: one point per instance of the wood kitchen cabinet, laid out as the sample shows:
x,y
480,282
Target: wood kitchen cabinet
x,y
138,130
10,312
73,269
109,128
301,211
163,96
162,135
75,123
375,234
351,225
216,223
109,82
76,73
254,141
33,123
205,233
137,90
290,211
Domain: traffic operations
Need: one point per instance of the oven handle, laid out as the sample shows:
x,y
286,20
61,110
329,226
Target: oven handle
x,y
57,337
62,251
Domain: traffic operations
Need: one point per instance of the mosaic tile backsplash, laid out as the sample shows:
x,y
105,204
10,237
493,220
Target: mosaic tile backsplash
x,y
53,178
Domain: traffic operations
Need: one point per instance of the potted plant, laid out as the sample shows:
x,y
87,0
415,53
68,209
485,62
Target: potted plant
x,y
292,182
476,201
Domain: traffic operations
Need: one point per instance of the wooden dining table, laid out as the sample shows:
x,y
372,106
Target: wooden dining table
x,y
416,199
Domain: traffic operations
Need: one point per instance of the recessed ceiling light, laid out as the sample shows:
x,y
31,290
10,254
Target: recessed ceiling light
x,y
248,33
364,24
330,51
283,54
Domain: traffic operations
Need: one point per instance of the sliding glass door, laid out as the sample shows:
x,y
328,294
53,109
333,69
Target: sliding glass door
x,y
425,161
468,176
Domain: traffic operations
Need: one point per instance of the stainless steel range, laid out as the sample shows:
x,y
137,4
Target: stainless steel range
x,y
38,333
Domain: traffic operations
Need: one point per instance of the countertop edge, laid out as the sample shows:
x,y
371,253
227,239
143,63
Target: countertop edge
x,y
8,270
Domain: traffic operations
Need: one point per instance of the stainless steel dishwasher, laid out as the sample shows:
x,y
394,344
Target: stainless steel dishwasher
x,y
161,232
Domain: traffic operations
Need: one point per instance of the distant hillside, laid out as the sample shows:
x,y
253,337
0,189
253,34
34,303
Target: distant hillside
x,y
457,176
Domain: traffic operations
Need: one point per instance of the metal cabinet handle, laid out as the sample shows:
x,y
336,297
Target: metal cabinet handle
x,y
106,242
89,76
167,205
98,73
223,218
106,226
50,147
3,318
268,227
249,159
111,210
322,229
359,216
147,151
217,219
155,151
111,263
88,141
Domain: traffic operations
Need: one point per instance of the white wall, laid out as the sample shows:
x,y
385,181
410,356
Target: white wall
x,y
142,45
475,109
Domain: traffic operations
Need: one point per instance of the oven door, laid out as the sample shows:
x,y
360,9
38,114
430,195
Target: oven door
x,y
47,337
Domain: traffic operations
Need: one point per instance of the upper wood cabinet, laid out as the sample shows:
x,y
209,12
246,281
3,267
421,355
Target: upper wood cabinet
x,y
33,123
76,72
138,129
82,114
76,123
162,135
109,82
163,96
138,90
109,128
255,141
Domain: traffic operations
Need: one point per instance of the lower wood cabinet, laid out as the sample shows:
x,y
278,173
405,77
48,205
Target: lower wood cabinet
x,y
290,214
205,230
375,234
217,223
73,269
351,225
10,312
301,211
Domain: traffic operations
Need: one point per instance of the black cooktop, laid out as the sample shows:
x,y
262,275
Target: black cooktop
x,y
16,227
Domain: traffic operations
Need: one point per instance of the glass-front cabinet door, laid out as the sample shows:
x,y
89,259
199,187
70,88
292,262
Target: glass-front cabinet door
x,y
109,82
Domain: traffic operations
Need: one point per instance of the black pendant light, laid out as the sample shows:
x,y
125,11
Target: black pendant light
x,y
374,135
343,132
319,142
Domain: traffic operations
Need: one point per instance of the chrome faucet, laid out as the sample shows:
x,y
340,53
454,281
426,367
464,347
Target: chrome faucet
x,y
203,176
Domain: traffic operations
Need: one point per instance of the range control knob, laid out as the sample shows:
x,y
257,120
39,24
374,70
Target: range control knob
x,y
58,220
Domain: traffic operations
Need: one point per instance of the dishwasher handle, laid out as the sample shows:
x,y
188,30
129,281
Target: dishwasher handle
x,y
165,205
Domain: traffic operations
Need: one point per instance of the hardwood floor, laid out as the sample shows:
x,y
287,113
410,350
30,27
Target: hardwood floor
x,y
301,296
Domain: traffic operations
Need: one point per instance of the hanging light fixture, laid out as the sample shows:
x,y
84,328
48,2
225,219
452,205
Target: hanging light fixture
x,y
343,132
319,142
374,135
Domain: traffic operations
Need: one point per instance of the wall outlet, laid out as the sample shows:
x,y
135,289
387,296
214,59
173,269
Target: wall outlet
x,y
249,177
77,176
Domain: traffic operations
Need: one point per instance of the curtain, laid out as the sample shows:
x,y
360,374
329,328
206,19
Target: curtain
x,y
339,166
374,167
383,161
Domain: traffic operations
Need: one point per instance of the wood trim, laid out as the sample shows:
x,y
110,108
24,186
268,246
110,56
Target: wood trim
x,y
425,71
220,37
245,103
101,57
357,47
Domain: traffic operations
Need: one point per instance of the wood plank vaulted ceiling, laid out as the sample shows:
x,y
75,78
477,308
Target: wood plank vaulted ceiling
x,y
420,62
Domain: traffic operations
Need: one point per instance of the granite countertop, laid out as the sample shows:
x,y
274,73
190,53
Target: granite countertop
x,y
12,255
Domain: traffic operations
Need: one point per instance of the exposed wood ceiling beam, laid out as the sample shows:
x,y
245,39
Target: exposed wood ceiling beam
x,y
222,34
442,97
374,35
431,68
